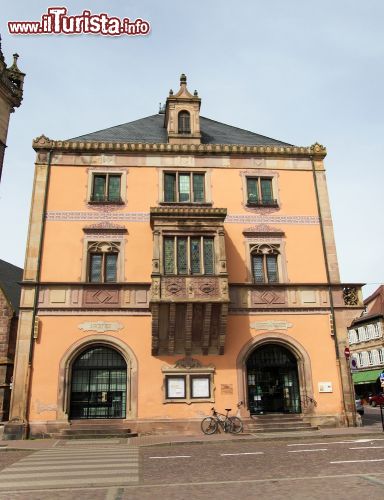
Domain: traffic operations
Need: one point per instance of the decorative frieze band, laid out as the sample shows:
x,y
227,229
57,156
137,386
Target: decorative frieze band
x,y
44,143
272,219
65,216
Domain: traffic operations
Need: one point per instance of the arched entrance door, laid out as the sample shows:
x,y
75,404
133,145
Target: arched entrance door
x,y
273,382
99,384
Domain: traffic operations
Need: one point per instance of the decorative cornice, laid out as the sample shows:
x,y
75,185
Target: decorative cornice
x,y
195,212
44,143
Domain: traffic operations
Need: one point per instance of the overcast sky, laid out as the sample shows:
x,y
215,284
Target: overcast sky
x,y
299,71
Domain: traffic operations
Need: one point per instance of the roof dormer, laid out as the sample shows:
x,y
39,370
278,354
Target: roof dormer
x,y
182,119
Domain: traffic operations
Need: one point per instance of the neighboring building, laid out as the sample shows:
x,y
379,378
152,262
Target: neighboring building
x,y
11,95
10,289
174,263
367,344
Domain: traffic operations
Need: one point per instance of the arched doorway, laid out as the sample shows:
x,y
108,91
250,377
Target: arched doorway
x,y
98,384
272,380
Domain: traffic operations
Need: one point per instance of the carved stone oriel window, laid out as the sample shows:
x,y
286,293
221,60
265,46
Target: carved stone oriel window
x,y
188,382
189,255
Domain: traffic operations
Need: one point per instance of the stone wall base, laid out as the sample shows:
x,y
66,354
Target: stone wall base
x,y
45,429
15,430
324,421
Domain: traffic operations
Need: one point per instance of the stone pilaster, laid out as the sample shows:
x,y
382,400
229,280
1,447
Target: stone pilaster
x,y
18,424
325,211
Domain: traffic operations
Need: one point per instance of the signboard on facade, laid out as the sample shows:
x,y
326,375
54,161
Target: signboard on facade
x,y
200,387
175,387
226,389
100,326
271,325
325,387
353,364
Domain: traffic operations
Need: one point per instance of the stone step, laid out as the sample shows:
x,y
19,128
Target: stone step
x,y
95,430
297,423
278,416
99,422
280,429
86,435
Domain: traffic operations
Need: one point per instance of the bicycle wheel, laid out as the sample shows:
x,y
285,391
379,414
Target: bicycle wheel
x,y
237,425
209,425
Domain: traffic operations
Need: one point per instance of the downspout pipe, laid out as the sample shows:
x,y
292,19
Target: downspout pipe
x,y
329,283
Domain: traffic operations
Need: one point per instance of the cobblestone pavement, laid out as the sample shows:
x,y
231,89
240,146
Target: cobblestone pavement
x,y
338,468
8,457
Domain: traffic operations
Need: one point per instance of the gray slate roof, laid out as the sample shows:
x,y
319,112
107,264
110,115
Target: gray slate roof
x,y
10,275
151,130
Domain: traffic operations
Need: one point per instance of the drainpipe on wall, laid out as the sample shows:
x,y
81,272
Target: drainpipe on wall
x,y
331,303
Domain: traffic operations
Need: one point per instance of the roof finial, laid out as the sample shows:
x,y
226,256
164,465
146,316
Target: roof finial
x,y
14,65
183,79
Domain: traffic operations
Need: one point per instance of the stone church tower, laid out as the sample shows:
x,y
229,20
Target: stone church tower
x,y
11,95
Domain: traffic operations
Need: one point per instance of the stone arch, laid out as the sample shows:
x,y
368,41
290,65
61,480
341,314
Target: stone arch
x,y
303,366
65,372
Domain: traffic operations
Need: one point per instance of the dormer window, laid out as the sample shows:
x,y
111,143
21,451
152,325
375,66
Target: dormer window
x,y
184,122
182,115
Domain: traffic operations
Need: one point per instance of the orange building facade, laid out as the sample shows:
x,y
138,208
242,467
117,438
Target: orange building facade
x,y
175,263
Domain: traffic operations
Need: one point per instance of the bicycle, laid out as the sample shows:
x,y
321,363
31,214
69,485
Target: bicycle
x,y
210,425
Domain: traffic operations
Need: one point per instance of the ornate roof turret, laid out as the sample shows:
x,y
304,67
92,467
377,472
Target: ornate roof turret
x,y
182,115
15,75
1,56
11,81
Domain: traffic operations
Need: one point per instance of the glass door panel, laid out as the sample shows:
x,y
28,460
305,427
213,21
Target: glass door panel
x,y
99,392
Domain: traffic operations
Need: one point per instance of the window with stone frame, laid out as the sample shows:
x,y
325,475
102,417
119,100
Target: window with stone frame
x,y
260,191
106,188
184,122
381,356
184,187
103,262
264,263
189,255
